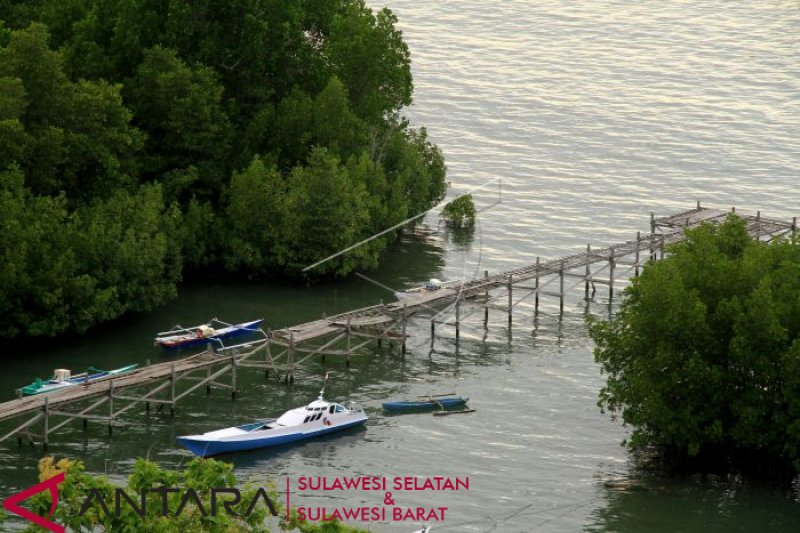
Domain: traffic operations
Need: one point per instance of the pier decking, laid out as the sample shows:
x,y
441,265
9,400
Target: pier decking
x,y
285,349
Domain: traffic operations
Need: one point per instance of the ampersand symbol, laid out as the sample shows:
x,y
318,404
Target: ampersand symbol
x,y
387,499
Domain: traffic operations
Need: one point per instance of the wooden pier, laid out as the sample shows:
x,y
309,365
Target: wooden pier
x,y
343,335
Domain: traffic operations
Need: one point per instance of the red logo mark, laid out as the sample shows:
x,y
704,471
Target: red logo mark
x,y
10,504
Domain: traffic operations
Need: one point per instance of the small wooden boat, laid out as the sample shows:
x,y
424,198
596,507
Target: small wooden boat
x,y
441,401
318,418
432,285
64,378
213,331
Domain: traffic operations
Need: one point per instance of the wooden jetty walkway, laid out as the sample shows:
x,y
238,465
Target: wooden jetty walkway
x,y
285,350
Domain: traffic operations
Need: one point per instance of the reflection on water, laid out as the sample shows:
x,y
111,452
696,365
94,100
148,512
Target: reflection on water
x,y
641,502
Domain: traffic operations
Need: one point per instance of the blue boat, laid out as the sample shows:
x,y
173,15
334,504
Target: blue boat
x,y
315,419
429,402
213,331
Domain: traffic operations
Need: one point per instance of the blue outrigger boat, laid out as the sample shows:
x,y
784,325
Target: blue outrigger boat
x,y
441,401
214,330
315,419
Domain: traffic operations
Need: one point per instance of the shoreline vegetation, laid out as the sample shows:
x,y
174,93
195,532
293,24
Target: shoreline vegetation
x,y
144,142
204,496
703,357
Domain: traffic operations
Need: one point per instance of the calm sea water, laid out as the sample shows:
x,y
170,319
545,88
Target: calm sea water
x,y
593,114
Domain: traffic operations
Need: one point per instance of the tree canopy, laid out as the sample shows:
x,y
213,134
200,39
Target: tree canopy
x,y
703,356
144,140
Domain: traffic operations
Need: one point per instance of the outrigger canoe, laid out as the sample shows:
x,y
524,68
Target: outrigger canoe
x,y
213,331
429,402
64,378
313,420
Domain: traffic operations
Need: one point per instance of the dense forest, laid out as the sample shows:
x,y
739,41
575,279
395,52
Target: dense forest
x,y
145,140
703,356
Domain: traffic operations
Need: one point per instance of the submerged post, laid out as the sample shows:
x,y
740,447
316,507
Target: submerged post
x,y
173,380
347,357
758,225
46,421
638,244
458,317
510,289
588,273
536,286
110,407
403,349
561,288
267,358
611,264
233,376
486,301
290,361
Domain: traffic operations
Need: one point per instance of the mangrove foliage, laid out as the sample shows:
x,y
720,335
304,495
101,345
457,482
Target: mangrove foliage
x,y
703,357
142,141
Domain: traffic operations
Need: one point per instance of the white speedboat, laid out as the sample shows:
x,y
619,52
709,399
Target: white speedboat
x,y
320,417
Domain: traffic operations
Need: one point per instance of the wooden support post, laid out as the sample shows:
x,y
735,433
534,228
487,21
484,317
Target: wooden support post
x,y
536,285
638,243
404,330
46,421
233,376
611,264
652,236
173,379
794,228
267,358
510,305
561,288
588,273
290,361
758,225
347,357
698,205
733,209
110,407
458,318
661,248
486,301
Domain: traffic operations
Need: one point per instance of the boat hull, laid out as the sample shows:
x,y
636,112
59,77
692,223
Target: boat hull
x,y
445,403
50,386
210,447
237,330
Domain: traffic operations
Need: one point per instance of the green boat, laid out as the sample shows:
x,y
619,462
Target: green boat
x,y
63,378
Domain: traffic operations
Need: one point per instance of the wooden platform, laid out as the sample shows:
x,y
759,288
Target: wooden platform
x,y
376,322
